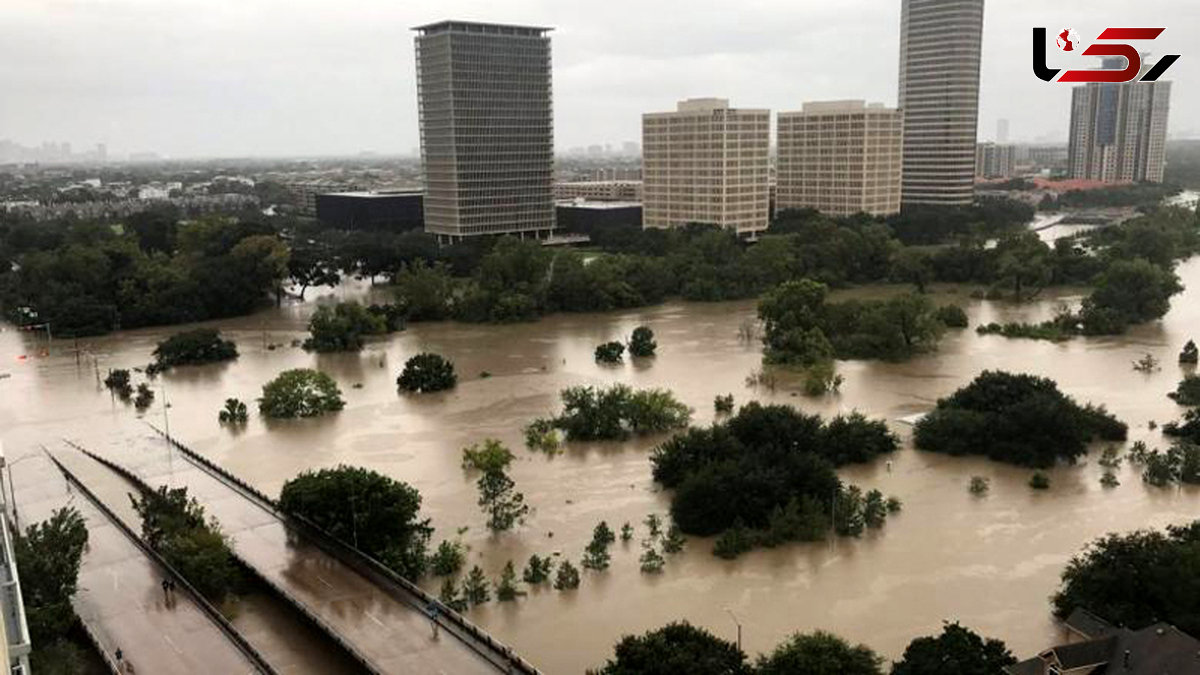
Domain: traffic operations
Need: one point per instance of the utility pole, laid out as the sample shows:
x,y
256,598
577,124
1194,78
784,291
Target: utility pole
x,y
162,384
739,628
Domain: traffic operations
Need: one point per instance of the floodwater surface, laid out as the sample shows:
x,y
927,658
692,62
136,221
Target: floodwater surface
x,y
988,562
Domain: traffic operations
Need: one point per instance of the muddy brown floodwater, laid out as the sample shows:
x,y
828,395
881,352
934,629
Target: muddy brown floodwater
x,y
988,562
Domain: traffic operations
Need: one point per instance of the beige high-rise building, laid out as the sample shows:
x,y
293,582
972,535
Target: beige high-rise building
x,y
706,163
840,157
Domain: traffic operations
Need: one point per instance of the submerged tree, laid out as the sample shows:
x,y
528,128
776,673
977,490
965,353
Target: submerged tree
x,y
503,505
567,577
427,372
610,352
300,392
234,412
641,343
476,589
506,587
376,514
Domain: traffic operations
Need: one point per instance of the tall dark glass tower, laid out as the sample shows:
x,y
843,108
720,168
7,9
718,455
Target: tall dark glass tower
x,y
487,129
939,95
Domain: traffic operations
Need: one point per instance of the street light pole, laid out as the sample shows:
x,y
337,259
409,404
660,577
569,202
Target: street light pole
x,y
162,384
739,627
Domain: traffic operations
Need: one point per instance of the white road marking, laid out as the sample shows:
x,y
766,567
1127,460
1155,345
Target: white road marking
x,y
168,639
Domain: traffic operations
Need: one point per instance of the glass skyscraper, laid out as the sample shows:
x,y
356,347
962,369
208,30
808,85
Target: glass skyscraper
x,y
487,129
939,96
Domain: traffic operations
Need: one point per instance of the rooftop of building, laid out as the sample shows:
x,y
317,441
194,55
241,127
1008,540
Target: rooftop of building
x,y
482,28
842,106
1153,650
375,194
707,105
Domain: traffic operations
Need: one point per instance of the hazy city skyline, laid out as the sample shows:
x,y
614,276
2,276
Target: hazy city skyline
x,y
185,78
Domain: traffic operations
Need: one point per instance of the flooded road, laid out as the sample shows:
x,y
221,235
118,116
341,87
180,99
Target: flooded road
x,y
989,562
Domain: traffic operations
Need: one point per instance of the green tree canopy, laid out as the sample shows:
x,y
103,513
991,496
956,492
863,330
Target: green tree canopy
x,y
957,651
819,653
375,513
193,347
427,372
48,556
300,392
1015,418
1137,578
175,525
673,649
342,327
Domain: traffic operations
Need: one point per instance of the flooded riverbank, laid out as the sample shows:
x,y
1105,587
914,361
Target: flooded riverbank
x,y
989,562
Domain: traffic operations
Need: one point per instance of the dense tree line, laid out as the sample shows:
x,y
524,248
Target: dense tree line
x,y
802,328
88,278
766,476
1019,419
1136,194
155,269
683,648
1136,579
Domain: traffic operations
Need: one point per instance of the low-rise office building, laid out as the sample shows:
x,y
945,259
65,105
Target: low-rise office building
x,y
586,217
398,210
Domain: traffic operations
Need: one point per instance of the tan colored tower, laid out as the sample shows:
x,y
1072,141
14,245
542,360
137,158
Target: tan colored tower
x,y
706,163
840,157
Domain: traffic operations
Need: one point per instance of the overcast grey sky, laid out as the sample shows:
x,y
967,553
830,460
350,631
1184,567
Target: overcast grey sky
x,y
306,77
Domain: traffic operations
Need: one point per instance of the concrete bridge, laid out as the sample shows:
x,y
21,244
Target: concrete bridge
x,y
378,617
119,599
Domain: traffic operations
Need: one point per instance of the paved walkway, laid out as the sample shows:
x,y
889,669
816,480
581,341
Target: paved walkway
x,y
119,596
392,635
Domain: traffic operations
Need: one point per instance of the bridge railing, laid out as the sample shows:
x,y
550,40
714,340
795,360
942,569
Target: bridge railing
x,y
497,652
299,606
223,624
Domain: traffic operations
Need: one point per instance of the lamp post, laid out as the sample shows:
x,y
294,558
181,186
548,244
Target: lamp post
x,y
12,493
739,627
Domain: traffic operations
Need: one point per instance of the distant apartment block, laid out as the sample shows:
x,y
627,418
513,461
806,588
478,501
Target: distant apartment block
x,y
706,163
303,193
487,129
1119,131
839,157
600,190
994,160
939,94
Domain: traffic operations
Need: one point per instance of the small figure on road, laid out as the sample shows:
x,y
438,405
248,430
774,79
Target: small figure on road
x,y
166,586
432,611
